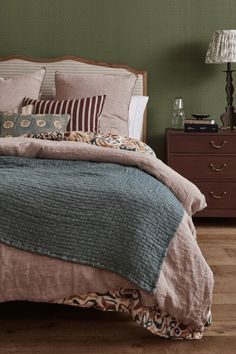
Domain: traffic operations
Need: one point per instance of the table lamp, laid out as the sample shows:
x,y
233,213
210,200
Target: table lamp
x,y
222,49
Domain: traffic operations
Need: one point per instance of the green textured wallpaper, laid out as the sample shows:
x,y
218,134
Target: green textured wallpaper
x,y
168,38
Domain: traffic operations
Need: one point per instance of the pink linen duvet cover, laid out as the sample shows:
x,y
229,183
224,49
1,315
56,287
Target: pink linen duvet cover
x,y
181,304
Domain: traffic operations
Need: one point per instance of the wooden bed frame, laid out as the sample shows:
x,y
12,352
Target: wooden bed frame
x,y
17,64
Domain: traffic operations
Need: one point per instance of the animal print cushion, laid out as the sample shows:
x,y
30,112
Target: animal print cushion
x,y
48,136
105,140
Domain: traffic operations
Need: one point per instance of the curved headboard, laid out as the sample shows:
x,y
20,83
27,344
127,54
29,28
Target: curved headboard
x,y
17,64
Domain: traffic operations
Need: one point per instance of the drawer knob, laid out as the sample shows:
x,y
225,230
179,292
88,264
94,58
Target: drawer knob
x,y
223,194
215,169
218,146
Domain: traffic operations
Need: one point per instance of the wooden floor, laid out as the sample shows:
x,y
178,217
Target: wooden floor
x,y
34,328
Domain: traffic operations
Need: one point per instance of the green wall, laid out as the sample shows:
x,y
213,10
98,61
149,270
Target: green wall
x,y
168,38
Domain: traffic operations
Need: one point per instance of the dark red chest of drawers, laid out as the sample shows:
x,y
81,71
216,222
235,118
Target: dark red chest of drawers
x,y
209,161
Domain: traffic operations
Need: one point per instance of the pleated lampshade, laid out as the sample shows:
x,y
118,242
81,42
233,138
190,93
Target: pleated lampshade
x,y
222,48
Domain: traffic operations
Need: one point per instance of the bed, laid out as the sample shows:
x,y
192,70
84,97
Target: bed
x,y
92,218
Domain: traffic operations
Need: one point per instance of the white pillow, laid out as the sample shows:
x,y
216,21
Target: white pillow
x,y
136,110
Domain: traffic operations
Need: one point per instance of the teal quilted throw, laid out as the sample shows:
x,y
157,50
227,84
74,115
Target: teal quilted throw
x,y
106,215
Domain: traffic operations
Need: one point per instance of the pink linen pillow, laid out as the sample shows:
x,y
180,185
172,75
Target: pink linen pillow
x,y
13,90
117,88
84,112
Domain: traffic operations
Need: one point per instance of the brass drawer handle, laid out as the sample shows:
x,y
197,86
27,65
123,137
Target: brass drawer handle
x,y
218,169
223,194
218,146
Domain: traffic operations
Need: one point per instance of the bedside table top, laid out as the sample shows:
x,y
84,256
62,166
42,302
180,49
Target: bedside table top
x,y
182,132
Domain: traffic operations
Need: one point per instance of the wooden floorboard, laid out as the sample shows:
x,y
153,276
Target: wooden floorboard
x,y
27,328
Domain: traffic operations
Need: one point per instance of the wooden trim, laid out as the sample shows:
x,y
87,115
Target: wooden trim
x,y
215,213
89,62
75,58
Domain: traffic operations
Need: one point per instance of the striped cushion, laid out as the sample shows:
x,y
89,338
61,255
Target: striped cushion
x,y
84,112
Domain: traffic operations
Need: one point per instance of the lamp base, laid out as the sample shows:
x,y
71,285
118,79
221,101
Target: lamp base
x,y
228,119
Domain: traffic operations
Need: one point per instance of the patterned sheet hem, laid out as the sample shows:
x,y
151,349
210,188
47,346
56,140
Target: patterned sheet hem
x,y
129,301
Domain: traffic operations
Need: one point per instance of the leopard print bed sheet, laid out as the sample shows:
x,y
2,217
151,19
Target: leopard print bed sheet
x,y
105,140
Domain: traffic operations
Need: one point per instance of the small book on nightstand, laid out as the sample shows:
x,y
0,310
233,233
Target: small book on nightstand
x,y
200,123
213,128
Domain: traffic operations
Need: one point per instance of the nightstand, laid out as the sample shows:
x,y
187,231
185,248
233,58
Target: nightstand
x,y
209,161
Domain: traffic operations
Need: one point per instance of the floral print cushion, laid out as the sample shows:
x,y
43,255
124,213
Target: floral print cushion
x,y
105,140
129,301
12,125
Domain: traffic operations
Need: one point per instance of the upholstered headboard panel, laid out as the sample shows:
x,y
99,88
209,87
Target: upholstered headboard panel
x,y
16,65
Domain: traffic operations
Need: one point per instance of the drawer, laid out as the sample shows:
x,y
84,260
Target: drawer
x,y
219,195
204,167
204,144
